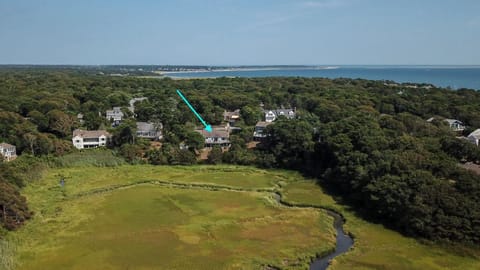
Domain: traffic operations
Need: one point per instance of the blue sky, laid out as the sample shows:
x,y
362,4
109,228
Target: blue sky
x,y
240,32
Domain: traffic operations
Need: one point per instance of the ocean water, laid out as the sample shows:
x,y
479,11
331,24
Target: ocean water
x,y
454,77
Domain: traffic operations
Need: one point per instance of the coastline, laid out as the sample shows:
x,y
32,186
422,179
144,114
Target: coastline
x,y
454,77
245,69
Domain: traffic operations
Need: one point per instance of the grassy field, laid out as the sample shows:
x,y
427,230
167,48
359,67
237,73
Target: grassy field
x,y
109,218
377,247
199,217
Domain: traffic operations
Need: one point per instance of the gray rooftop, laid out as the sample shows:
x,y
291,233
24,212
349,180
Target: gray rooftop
x,y
90,133
147,126
475,134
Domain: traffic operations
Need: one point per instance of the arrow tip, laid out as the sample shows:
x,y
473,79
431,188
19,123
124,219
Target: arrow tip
x,y
208,128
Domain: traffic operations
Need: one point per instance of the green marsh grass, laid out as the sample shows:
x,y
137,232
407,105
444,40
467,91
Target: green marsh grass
x,y
199,217
377,247
140,225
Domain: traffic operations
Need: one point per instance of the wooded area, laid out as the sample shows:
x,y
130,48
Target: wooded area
x,y
367,140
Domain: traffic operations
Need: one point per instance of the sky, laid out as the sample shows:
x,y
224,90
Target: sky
x,y
240,32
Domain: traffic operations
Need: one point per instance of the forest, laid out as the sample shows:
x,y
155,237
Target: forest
x,y
367,141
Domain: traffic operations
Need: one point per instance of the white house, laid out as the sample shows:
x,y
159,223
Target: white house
x,y
90,138
115,115
149,130
474,137
259,132
272,115
454,124
8,151
219,136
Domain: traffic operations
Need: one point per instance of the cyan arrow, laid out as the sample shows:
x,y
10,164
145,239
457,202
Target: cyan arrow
x,y
207,126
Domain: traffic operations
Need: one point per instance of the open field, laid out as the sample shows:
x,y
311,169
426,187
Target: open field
x,y
80,180
200,217
106,218
377,247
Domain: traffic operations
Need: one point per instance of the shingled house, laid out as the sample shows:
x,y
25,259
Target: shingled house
x,y
90,138
218,137
149,130
115,115
259,132
8,151
231,117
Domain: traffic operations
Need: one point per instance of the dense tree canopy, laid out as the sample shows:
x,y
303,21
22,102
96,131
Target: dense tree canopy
x,y
367,140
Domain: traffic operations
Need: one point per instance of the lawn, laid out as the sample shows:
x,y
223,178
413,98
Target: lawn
x,y
200,217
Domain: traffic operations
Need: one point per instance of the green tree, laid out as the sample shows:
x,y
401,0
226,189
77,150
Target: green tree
x,y
156,157
250,115
131,152
60,123
215,155
124,133
195,140
290,141
182,157
13,207
39,119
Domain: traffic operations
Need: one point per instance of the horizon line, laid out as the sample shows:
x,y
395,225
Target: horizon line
x,y
244,65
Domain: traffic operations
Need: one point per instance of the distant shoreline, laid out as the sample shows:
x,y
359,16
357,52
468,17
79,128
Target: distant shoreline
x,y
233,69
454,77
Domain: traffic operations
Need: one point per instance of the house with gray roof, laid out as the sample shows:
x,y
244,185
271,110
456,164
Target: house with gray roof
x,y
148,130
474,137
220,136
259,131
82,139
115,115
454,124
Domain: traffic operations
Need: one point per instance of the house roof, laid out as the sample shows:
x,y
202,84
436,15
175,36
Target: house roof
x,y
453,121
147,126
6,145
217,132
475,134
448,120
263,124
90,133
115,110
